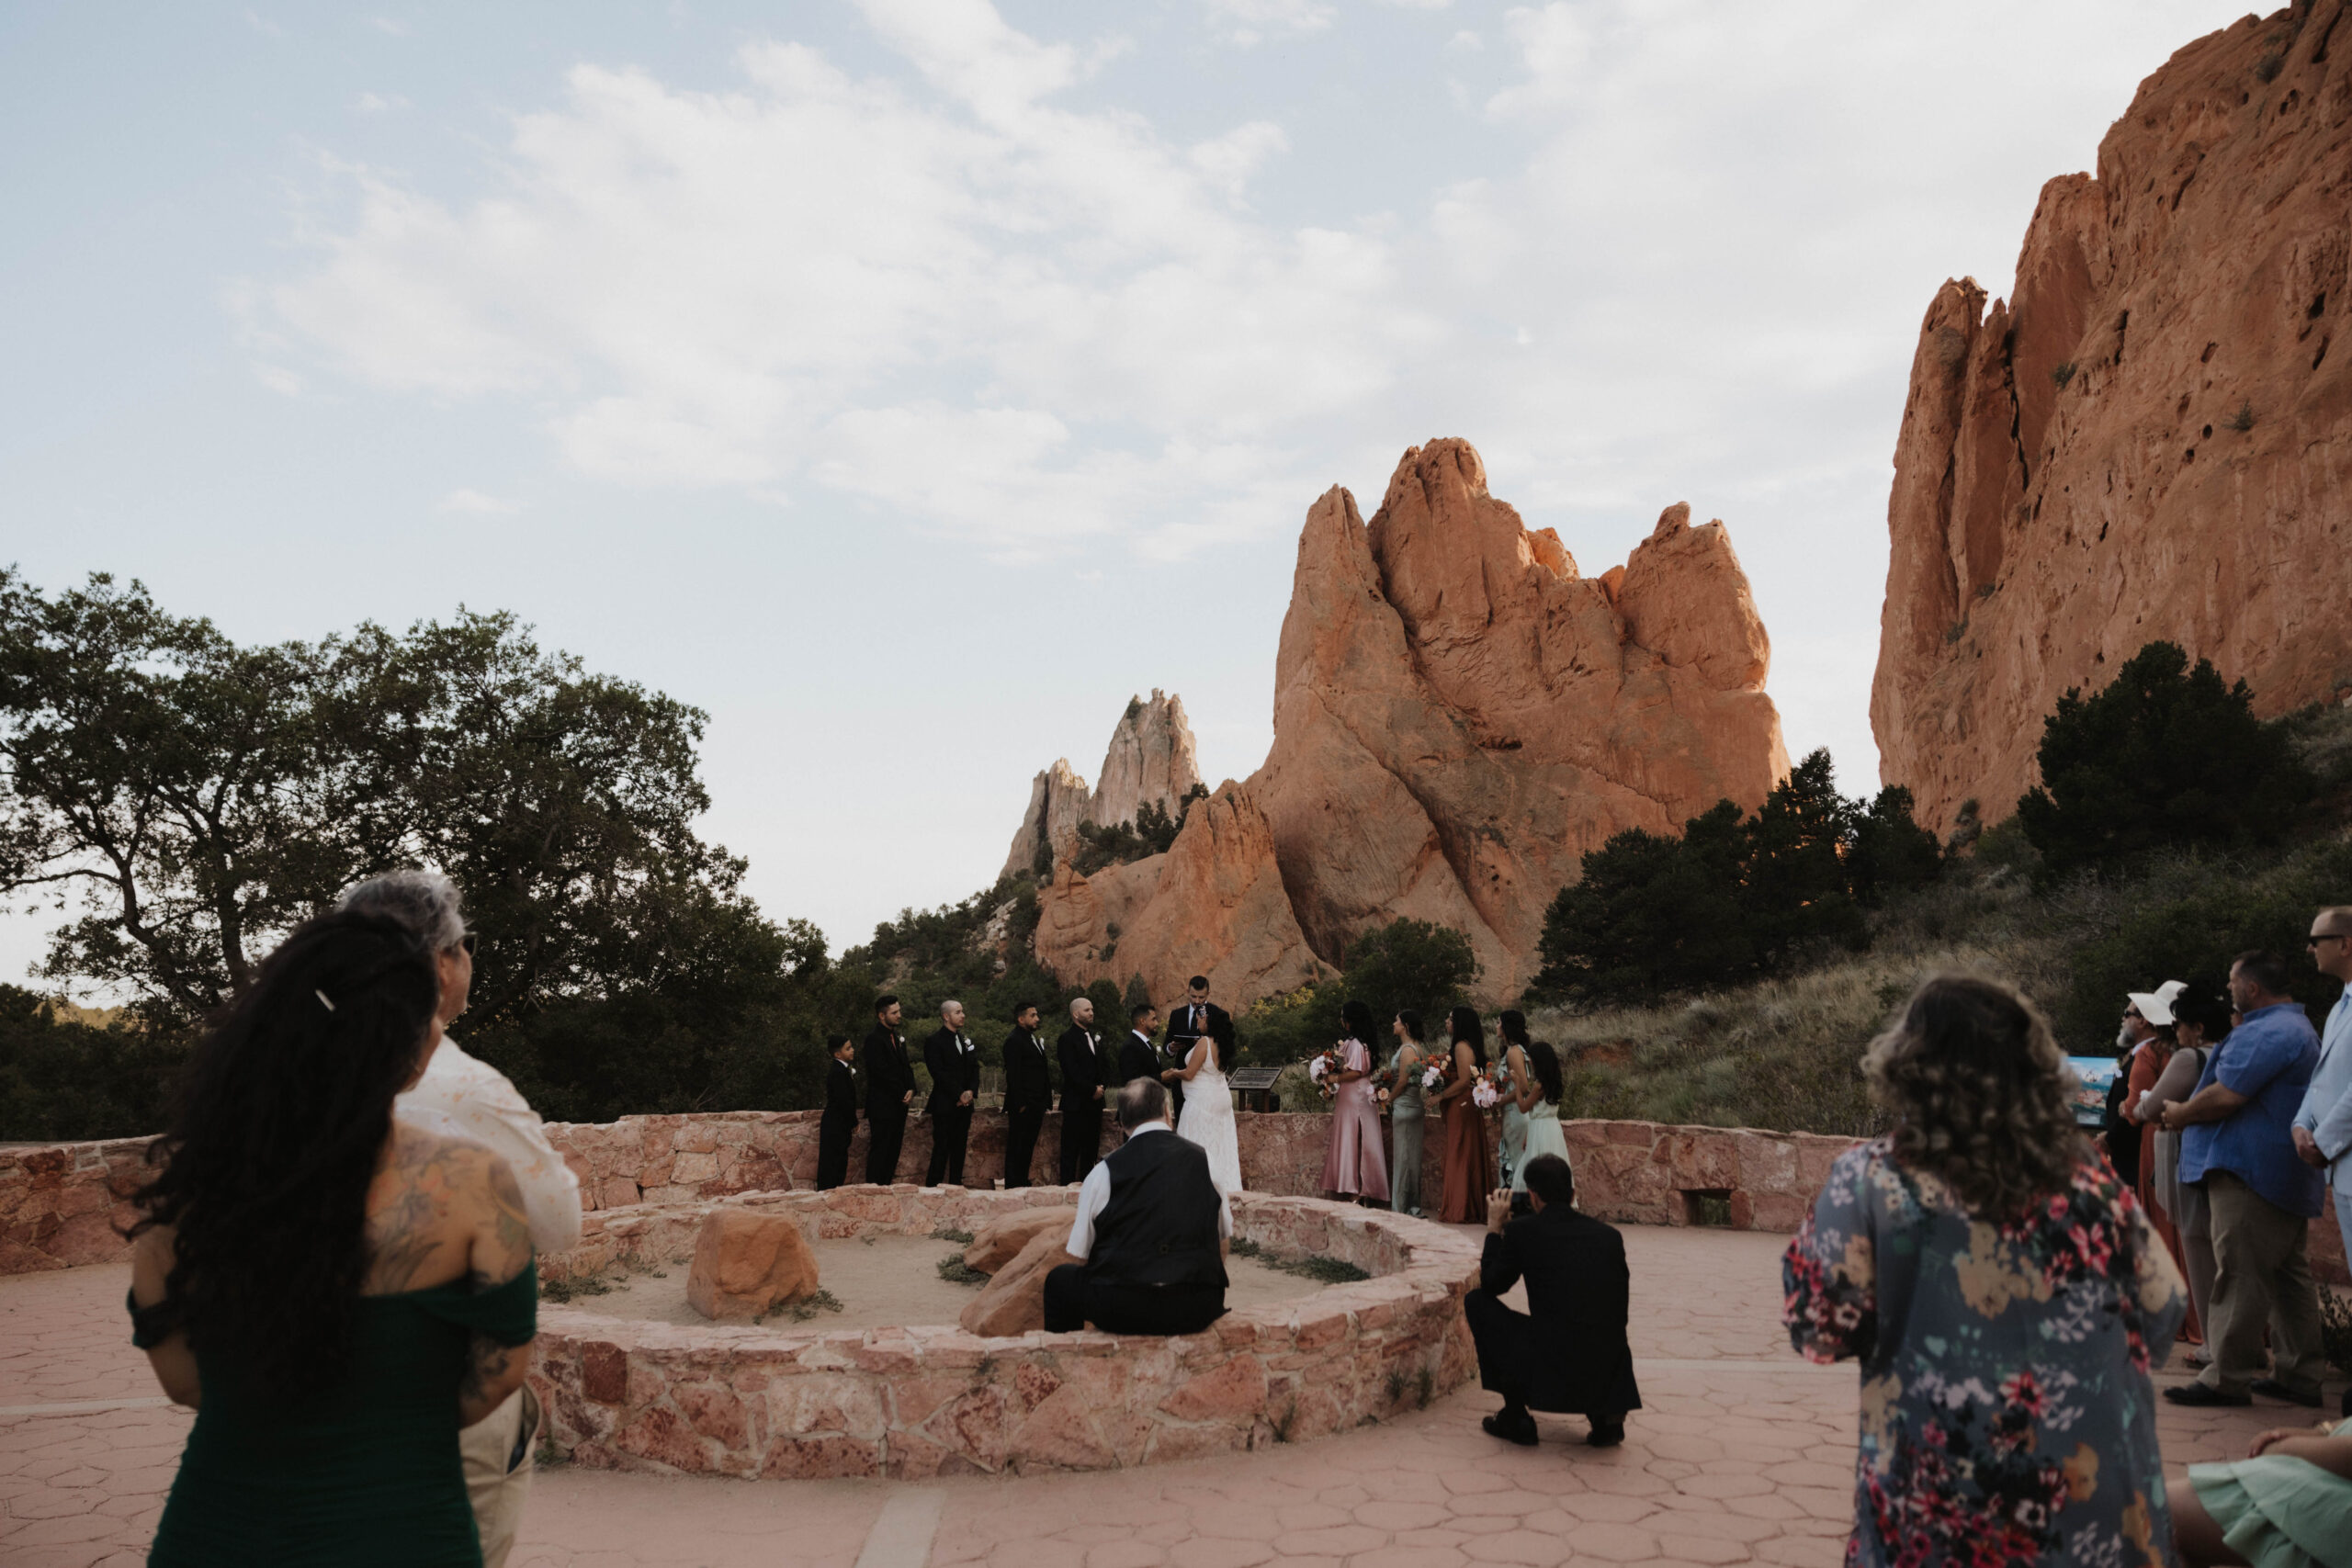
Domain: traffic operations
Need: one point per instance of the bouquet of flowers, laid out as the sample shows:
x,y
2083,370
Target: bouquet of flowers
x,y
1320,1069
1434,1072
1485,1095
1384,1086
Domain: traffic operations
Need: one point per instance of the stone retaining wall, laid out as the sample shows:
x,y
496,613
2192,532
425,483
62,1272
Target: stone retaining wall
x,y
912,1403
60,1203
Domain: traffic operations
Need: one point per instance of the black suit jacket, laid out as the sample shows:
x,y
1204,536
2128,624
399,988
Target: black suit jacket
x,y
1028,1078
1139,1058
841,1090
1577,1287
1182,1034
1083,1070
889,1072
953,1070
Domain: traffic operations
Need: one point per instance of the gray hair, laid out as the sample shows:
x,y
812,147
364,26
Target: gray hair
x,y
1142,1101
950,1005
424,901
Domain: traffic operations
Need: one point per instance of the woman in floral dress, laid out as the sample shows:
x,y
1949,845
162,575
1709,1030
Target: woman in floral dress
x,y
2005,1296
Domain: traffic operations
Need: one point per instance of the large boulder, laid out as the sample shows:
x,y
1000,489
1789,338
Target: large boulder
x,y
999,1241
2151,438
1015,1300
747,1263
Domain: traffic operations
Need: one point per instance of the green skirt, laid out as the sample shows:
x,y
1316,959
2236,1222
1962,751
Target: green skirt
x,y
2277,1512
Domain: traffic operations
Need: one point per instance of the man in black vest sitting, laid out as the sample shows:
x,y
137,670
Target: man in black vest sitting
x,y
1567,1351
1152,1228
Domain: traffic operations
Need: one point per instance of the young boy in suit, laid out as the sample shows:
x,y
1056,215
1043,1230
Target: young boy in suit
x,y
840,1122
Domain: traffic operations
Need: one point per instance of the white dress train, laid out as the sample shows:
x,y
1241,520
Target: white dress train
x,y
1208,1122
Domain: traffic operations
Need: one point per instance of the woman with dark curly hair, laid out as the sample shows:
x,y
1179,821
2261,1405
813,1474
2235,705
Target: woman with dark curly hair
x,y
2005,1295
335,1293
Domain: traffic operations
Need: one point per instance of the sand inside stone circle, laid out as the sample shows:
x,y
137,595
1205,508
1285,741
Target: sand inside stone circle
x,y
890,1282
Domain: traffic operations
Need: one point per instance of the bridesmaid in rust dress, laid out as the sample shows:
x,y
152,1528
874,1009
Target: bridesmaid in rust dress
x,y
1469,1159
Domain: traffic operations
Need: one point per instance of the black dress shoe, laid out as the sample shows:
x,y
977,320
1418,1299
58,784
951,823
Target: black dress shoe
x,y
1521,1431
1606,1437
2271,1388
2196,1394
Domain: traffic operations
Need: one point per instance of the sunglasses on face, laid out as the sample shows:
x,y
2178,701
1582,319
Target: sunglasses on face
x,y
2329,936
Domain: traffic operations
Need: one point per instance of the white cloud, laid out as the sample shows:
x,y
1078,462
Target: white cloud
x,y
789,282
1247,22
475,501
278,379
379,103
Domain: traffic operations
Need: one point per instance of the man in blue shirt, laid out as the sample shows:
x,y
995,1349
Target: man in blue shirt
x,y
2236,1139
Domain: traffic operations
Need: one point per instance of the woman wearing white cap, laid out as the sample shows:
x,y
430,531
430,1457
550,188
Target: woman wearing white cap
x,y
2147,1038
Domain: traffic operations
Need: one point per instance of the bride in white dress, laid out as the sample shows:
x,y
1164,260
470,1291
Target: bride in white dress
x,y
1208,1109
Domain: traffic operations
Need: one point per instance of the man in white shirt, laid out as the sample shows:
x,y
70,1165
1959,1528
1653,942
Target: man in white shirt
x,y
2323,1129
459,1097
1152,1226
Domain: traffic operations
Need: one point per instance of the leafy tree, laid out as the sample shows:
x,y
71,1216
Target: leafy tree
x,y
62,1080
2165,755
1151,832
1650,915
1729,899
1409,964
1794,890
1889,852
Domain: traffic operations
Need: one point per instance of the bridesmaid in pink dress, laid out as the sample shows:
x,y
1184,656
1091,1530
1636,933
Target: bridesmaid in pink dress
x,y
1354,1166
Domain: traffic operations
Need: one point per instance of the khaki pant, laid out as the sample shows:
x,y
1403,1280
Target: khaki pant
x,y
496,1482
2262,1279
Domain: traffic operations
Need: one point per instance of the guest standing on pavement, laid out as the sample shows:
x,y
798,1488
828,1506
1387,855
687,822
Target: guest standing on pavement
x,y
2324,1124
338,1292
1352,1164
839,1123
463,1098
1028,1093
1567,1351
2004,1296
1404,1114
1086,1069
954,1063
2143,1043
890,1090
2201,1018
2238,1139
1469,1160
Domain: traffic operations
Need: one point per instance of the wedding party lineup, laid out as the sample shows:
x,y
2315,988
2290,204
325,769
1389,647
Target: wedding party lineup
x,y
1807,1026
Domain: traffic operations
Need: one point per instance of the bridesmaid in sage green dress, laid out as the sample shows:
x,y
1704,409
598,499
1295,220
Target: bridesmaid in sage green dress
x,y
1404,1114
1511,1151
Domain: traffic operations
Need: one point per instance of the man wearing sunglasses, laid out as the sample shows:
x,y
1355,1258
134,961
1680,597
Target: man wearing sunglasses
x,y
459,1097
2323,1126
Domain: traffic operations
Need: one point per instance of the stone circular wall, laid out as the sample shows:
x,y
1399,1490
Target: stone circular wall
x,y
916,1401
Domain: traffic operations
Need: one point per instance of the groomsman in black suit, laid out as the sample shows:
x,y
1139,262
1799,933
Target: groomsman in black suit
x,y
954,1063
890,1090
839,1124
1139,1057
1085,1071
1028,1093
1193,1018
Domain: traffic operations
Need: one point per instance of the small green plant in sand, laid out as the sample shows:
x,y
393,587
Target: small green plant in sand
x,y
1326,1270
804,1308
949,1232
955,1271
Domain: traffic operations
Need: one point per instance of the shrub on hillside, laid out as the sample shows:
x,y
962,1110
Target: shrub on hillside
x,y
1405,963
63,1080
1732,899
2165,755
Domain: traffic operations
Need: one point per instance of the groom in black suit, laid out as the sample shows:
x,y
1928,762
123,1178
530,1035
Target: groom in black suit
x,y
1568,1350
1195,1016
1139,1058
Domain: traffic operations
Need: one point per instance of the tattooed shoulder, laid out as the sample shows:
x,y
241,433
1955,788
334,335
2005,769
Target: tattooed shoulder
x,y
506,1236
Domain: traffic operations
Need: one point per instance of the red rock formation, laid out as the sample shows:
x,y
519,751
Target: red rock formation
x,y
1150,762
746,1263
2149,440
1459,716
1213,905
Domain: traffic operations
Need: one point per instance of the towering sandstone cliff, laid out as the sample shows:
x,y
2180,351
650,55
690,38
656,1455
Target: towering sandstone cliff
x,y
2151,439
1459,716
1150,762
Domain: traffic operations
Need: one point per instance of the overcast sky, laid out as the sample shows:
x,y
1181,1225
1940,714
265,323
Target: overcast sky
x,y
908,382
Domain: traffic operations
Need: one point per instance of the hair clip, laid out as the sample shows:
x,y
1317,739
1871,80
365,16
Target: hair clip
x,y
324,1000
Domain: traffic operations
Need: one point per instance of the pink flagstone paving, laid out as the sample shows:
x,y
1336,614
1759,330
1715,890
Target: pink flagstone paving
x,y
1744,1454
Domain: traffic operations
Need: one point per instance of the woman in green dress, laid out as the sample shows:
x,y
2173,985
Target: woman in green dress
x,y
1404,1114
334,1292
1538,1104
2287,1504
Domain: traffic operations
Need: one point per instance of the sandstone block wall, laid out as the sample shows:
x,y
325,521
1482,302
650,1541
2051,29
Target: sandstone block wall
x,y
60,1204
919,1401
